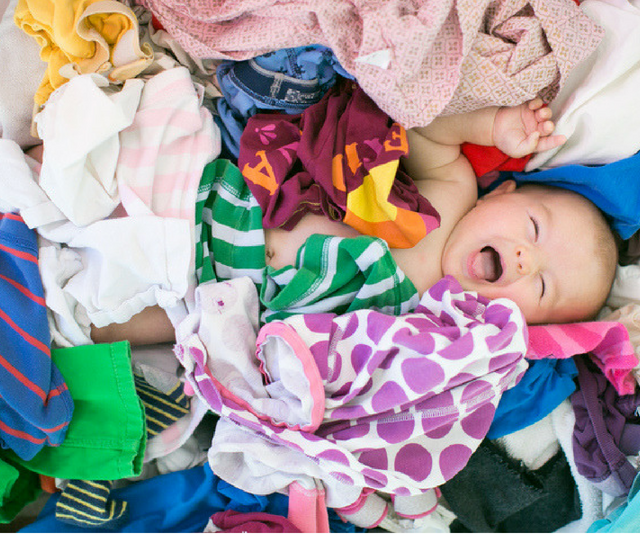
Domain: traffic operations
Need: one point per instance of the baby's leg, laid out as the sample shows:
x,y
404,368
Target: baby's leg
x,y
149,326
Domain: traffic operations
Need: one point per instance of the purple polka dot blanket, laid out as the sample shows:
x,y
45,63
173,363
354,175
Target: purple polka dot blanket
x,y
361,401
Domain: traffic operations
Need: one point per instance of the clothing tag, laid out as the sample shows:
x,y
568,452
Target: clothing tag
x,y
380,58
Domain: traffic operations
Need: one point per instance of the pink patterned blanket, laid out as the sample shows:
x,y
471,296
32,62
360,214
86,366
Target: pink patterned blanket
x,y
415,58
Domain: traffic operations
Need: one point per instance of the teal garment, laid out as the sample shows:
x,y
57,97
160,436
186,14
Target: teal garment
x,y
106,439
18,487
626,517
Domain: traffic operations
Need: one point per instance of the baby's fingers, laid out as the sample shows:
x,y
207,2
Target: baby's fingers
x,y
546,127
534,104
549,142
543,114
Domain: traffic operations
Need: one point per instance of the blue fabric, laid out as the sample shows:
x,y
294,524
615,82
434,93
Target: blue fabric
x,y
543,387
179,502
626,517
287,80
614,188
176,502
35,404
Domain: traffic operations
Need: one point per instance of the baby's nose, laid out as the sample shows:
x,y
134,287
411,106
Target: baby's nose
x,y
523,261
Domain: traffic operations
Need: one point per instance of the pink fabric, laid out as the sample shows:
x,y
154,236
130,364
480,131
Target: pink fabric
x,y
608,342
316,387
164,150
307,509
232,521
416,59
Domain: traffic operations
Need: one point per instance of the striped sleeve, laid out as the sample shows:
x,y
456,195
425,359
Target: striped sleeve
x,y
35,404
230,237
338,275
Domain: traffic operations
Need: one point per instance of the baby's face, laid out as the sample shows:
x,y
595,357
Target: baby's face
x,y
534,246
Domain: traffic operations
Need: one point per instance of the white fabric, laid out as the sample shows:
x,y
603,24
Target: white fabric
x,y
94,167
79,127
272,381
69,323
129,264
257,466
533,445
598,109
21,71
626,287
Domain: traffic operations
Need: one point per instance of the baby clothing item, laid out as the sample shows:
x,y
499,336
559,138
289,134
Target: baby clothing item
x,y
287,81
339,158
607,430
607,342
106,437
592,108
543,387
331,274
18,487
495,493
81,37
35,402
87,503
415,59
233,521
358,400
176,502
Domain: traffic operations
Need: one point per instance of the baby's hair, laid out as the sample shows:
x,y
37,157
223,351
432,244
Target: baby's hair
x,y
607,250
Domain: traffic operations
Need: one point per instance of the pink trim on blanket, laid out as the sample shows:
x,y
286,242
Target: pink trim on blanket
x,y
311,372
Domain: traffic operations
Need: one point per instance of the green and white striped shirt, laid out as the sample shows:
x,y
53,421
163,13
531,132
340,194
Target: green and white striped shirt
x,y
332,274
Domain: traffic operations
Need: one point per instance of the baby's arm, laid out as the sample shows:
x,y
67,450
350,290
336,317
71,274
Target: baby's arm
x,y
435,155
517,131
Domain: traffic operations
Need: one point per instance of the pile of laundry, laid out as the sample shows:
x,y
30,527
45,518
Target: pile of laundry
x,y
144,147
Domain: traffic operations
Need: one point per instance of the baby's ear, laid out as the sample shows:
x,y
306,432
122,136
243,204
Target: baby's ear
x,y
508,186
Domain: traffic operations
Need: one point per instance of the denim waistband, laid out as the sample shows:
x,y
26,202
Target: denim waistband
x,y
274,88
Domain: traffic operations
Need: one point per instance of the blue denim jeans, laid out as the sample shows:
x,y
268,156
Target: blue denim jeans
x,y
287,80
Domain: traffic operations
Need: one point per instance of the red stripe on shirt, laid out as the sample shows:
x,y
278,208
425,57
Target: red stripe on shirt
x,y
55,428
26,335
22,379
25,291
19,254
12,216
57,391
20,434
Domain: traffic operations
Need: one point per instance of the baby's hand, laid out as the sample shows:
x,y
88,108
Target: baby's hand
x,y
524,129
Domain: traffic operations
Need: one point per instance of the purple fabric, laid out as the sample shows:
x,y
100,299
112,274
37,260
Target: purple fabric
x,y
232,521
601,419
324,161
407,399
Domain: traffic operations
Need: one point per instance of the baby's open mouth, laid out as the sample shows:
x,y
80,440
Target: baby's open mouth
x,y
486,265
